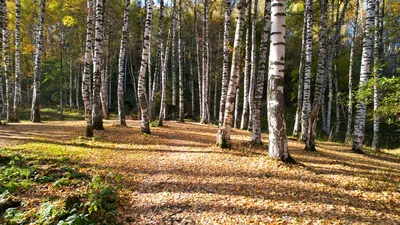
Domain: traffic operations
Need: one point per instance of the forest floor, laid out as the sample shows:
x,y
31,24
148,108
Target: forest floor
x,y
177,175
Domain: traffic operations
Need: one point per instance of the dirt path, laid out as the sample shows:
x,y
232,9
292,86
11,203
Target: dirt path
x,y
177,175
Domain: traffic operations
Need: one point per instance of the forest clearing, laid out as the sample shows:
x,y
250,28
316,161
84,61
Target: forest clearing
x,y
177,175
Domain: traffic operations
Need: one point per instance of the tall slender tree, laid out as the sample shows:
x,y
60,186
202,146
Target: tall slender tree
x,y
224,133
159,58
225,63
319,81
366,60
180,65
1,60
86,70
164,64
199,62
121,66
351,70
256,124
97,114
205,104
7,67
71,103
35,114
253,63
247,70
278,145
145,128
377,69
17,92
306,107
297,122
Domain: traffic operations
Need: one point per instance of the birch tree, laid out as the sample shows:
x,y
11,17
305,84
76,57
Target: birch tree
x,y
86,70
253,63
225,63
159,58
97,117
377,70
7,67
247,70
205,111
224,132
351,70
256,129
199,62
121,66
180,65
145,128
17,59
278,144
365,72
1,61
164,69
300,85
35,114
319,81
306,107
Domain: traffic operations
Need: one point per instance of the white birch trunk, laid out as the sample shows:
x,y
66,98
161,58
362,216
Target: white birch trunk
x,y
278,145
306,107
319,81
71,103
164,69
97,114
205,111
7,67
121,66
17,95
224,133
1,61
351,69
247,70
256,131
225,63
300,85
366,60
180,65
35,114
145,128
377,72
253,64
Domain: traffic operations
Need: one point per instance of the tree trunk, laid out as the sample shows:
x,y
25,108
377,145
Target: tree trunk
x,y
60,85
173,69
17,95
247,70
97,115
164,64
35,114
71,103
104,81
236,123
225,63
365,72
351,68
306,107
300,85
145,128
192,87
205,112
319,81
377,71
77,87
278,146
180,64
1,60
86,70
256,129
157,70
7,68
199,62
121,66
253,64
224,133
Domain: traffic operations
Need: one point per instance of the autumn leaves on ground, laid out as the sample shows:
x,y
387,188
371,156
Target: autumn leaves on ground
x,y
178,176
